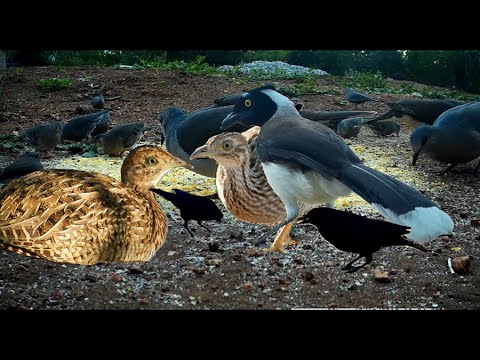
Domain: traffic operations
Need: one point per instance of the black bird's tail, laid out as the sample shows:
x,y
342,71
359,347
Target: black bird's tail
x,y
397,202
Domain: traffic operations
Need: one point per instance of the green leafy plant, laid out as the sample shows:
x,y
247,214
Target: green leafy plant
x,y
372,81
54,84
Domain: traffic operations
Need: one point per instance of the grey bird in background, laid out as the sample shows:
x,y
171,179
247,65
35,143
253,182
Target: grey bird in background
x,y
356,97
121,138
44,137
81,127
333,118
306,162
384,127
25,164
98,101
186,132
103,125
424,110
348,128
453,138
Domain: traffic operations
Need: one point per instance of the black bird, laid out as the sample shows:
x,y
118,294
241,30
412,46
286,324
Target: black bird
x,y
80,127
356,97
357,234
192,207
424,110
25,164
306,162
186,132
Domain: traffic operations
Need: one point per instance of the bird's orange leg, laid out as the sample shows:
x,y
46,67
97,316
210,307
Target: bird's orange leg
x,y
282,238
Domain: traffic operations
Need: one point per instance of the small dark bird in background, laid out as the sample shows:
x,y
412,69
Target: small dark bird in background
x,y
44,137
348,128
192,207
103,125
384,127
424,110
25,164
121,138
81,127
356,97
98,101
357,234
333,118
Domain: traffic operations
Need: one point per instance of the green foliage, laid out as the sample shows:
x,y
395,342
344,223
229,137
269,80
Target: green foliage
x,y
304,86
53,84
265,55
372,81
11,142
197,66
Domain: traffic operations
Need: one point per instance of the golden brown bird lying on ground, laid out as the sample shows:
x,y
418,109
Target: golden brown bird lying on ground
x,y
241,183
79,217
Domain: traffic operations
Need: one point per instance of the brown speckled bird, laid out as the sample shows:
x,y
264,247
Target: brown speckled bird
x,y
241,183
79,217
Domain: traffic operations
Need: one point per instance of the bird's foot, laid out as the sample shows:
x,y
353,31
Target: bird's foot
x,y
351,269
276,247
289,241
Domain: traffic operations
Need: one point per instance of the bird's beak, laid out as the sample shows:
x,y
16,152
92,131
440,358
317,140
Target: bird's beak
x,y
181,163
199,153
301,220
230,120
415,157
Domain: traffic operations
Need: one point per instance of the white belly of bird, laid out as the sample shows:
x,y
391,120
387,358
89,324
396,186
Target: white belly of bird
x,y
310,188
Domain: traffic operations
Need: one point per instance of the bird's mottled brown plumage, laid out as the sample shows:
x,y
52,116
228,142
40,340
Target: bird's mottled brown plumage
x,y
241,183
73,216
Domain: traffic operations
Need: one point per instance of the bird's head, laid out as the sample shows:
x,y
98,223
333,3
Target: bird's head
x,y
171,115
257,106
145,165
225,148
418,139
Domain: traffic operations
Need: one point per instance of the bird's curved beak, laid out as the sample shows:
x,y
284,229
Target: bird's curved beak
x,y
230,120
199,153
415,157
181,163
302,220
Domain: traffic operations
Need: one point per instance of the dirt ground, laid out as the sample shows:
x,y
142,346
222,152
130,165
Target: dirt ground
x,y
191,273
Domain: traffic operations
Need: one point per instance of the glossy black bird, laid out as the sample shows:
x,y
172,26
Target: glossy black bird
x,y
81,127
306,162
25,164
424,110
357,234
185,132
356,97
192,207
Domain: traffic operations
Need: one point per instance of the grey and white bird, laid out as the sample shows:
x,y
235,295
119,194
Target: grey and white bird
x,y
306,162
98,101
186,132
424,110
121,138
348,128
356,97
81,127
453,138
25,164
44,137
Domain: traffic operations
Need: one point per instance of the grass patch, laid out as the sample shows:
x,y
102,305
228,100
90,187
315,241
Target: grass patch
x,y
54,84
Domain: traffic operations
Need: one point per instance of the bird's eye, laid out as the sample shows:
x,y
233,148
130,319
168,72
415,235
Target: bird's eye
x,y
227,145
248,103
151,161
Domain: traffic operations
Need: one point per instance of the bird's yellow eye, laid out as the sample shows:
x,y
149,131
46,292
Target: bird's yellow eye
x,y
248,103
227,145
151,161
